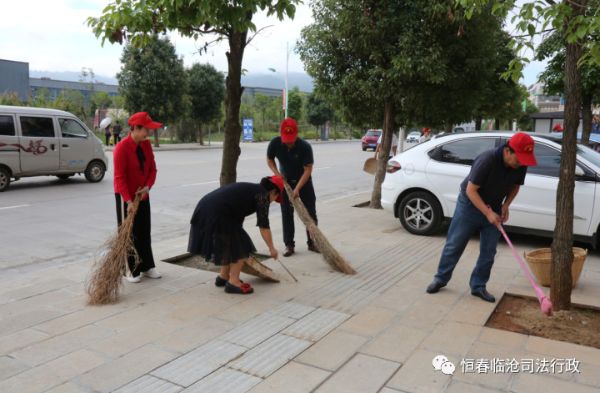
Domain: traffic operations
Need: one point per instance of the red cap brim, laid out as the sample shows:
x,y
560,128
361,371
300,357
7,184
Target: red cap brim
x,y
153,125
526,159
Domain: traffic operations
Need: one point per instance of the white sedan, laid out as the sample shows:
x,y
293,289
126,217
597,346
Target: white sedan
x,y
422,184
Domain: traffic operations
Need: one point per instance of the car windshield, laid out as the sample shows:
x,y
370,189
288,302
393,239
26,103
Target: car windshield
x,y
414,133
373,133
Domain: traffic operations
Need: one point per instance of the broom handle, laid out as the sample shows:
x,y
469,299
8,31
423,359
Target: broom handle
x,y
538,291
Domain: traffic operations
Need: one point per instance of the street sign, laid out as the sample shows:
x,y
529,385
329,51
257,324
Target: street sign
x,y
248,125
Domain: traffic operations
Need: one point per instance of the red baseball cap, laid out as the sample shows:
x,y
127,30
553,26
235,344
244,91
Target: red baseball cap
x,y
278,182
143,119
289,130
523,145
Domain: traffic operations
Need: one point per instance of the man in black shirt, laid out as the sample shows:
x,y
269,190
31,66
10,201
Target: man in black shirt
x,y
295,158
483,203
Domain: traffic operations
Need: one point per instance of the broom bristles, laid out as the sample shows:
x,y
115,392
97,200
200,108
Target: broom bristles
x,y
329,253
104,282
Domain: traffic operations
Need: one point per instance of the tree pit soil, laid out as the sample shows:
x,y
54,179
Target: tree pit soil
x,y
520,314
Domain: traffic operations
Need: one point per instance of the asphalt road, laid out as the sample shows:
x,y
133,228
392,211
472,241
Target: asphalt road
x,y
44,220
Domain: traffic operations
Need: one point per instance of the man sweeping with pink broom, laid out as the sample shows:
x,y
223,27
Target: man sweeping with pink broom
x,y
482,206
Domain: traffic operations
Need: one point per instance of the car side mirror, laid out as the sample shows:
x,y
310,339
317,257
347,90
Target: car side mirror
x,y
579,171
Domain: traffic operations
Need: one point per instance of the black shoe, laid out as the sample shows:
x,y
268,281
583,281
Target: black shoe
x,y
289,251
435,286
313,248
220,281
484,295
244,289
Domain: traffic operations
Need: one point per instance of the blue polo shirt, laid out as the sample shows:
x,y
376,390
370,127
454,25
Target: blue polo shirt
x,y
493,177
291,161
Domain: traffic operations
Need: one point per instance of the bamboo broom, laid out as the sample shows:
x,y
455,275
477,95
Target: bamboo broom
x,y
104,282
330,254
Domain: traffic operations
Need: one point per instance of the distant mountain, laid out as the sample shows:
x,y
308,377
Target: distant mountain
x,y
273,81
277,81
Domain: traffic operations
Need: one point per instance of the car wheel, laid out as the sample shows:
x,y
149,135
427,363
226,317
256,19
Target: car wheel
x,y
4,179
420,213
95,172
65,176
364,148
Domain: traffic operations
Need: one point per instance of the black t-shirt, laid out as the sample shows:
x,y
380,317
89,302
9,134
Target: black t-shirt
x,y
291,161
494,179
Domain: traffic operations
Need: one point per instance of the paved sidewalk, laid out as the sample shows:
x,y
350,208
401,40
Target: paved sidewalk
x,y
377,331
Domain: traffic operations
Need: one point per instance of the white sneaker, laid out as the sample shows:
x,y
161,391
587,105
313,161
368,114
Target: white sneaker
x,y
152,273
133,279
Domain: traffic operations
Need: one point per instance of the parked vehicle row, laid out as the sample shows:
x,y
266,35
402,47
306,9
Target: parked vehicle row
x,y
37,141
422,185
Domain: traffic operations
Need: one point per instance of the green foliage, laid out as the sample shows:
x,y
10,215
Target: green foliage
x,y
153,80
318,111
295,104
10,98
206,90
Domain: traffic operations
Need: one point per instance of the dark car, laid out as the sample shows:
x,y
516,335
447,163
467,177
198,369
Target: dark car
x,y
369,140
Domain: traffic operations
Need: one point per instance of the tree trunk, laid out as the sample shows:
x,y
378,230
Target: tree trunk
x,y
233,96
562,254
496,124
478,121
384,153
586,114
201,134
448,128
156,138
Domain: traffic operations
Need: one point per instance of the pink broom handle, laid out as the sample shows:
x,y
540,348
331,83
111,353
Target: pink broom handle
x,y
544,301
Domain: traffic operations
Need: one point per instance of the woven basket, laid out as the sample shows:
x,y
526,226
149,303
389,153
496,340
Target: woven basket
x,y
540,262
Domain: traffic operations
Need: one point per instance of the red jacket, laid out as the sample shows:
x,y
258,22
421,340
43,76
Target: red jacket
x,y
128,175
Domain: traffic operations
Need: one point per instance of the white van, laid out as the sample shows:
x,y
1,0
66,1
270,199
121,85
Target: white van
x,y
38,141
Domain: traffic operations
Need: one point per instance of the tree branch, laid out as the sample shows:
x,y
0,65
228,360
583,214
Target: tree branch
x,y
537,32
257,32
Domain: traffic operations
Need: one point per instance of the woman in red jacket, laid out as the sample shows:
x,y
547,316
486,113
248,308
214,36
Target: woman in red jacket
x,y
135,173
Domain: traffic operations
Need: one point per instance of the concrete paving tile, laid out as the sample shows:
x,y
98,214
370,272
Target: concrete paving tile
x,y
257,330
29,318
38,288
316,325
417,375
10,367
292,378
68,387
333,350
389,390
472,310
193,335
502,337
396,343
461,387
250,308
560,349
77,319
149,384
369,322
423,315
225,380
35,380
292,310
452,338
23,338
534,383
75,363
197,364
590,375
362,374
58,346
112,375
270,355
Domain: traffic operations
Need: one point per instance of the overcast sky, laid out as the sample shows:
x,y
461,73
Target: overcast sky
x,y
51,35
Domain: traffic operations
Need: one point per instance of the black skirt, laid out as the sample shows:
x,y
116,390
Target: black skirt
x,y
220,240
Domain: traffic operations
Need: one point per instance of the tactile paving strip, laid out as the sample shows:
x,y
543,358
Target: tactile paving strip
x,y
316,325
269,356
198,363
257,330
224,381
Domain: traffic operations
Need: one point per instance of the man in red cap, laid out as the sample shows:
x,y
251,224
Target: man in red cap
x,y
296,161
483,203
135,173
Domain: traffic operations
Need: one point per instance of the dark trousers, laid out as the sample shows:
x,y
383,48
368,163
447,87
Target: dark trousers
x,y
141,236
467,221
107,138
307,196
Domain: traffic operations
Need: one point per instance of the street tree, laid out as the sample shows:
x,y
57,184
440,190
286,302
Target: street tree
x,y
576,21
553,50
318,111
295,104
153,80
137,21
206,90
